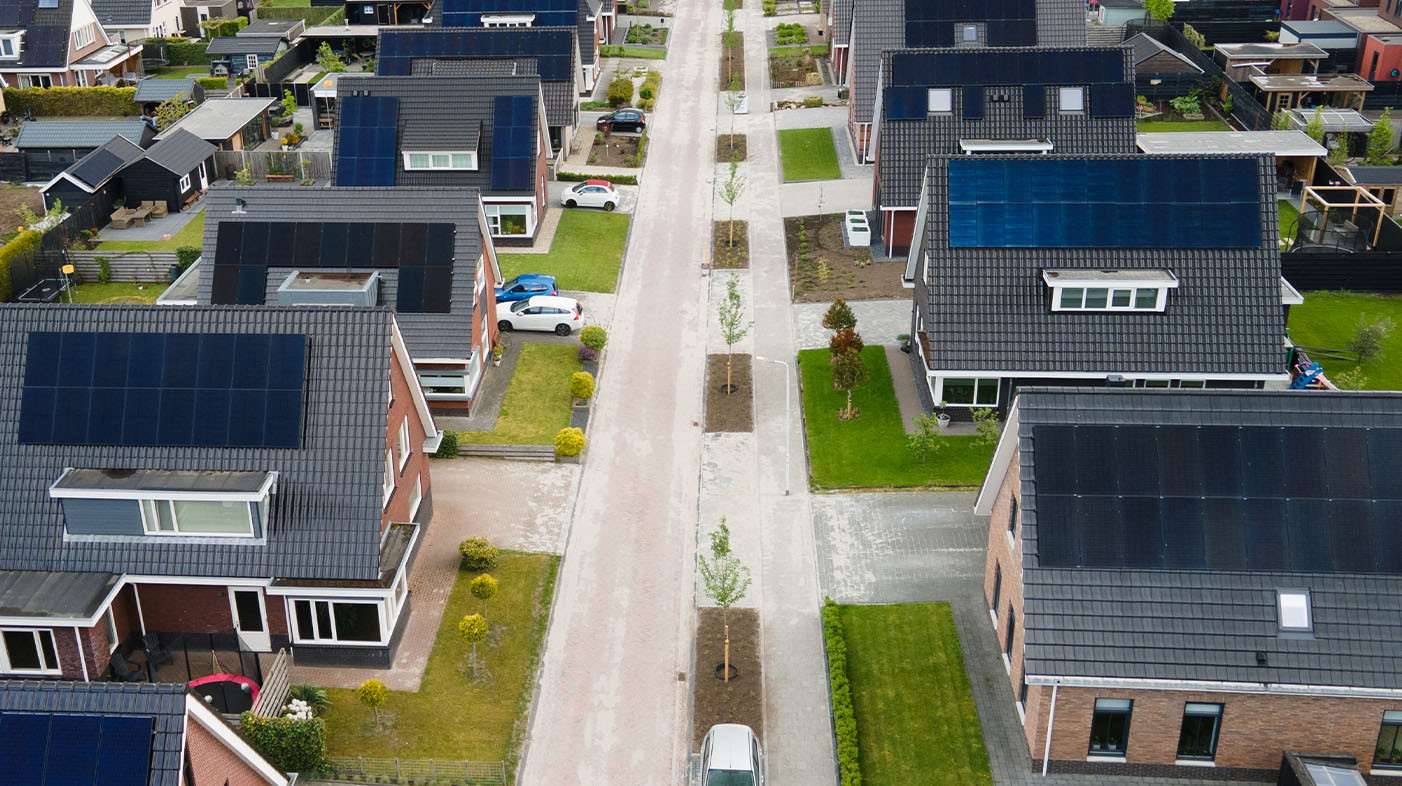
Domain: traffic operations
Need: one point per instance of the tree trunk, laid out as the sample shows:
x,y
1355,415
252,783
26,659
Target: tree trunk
x,y
731,242
484,609
849,403
726,672
728,356
474,659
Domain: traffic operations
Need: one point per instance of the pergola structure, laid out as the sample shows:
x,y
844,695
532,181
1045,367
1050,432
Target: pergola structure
x,y
1286,91
1334,197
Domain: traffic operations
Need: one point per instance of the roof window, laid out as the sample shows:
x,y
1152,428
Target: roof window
x,y
1293,610
1109,290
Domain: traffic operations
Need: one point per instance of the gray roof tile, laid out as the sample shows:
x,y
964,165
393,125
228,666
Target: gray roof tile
x,y
122,13
78,133
180,151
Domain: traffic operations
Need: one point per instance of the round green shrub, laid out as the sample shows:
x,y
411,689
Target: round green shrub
x,y
569,442
582,384
473,627
290,745
478,554
448,448
594,337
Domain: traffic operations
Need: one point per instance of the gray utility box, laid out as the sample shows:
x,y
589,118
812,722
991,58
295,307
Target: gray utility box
x,y
329,289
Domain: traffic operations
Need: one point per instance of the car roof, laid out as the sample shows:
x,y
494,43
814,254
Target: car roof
x,y
536,277
552,300
598,183
730,747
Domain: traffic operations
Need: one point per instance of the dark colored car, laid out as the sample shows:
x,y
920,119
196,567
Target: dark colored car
x,y
624,120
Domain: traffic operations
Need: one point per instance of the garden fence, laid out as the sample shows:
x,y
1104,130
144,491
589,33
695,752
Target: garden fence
x,y
1247,111
129,266
226,162
438,772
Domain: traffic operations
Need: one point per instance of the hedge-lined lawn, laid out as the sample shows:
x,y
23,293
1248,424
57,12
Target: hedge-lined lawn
x,y
453,715
585,254
192,234
1184,125
1288,215
811,49
871,450
180,72
916,721
1329,320
117,293
808,154
643,52
538,401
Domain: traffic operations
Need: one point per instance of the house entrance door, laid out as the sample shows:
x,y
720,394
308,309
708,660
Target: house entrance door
x,y
250,619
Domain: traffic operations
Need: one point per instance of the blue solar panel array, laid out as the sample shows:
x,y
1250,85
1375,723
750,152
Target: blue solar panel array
x,y
548,13
1007,22
164,389
74,750
552,48
365,145
1045,202
513,148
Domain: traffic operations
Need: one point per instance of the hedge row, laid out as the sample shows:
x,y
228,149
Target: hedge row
x,y
224,27
312,15
290,745
843,716
182,51
577,177
72,101
23,243
213,82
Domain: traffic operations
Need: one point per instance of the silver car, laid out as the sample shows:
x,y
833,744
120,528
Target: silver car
x,y
731,756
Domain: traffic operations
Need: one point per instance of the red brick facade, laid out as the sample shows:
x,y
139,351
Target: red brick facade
x,y
213,763
401,408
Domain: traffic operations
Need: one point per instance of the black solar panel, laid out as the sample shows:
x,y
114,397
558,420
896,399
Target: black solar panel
x,y
16,14
74,750
1034,101
552,49
905,103
167,389
979,67
548,13
365,142
973,102
933,22
45,45
513,148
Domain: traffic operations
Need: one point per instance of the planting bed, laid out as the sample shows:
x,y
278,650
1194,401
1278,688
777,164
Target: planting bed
x,y
725,149
733,411
849,273
732,61
726,256
617,150
740,700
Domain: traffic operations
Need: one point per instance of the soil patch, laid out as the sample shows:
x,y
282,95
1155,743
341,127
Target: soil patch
x,y
735,411
821,267
794,71
728,145
724,255
12,198
739,701
617,150
646,34
732,61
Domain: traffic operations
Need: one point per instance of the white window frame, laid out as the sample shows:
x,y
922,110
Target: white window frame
x,y
36,80
508,20
150,519
184,183
940,100
109,624
380,604
1071,100
964,30
1294,613
83,36
250,62
406,449
444,377
55,668
493,213
1073,298
10,46
417,498
1186,384
426,161
389,476
979,384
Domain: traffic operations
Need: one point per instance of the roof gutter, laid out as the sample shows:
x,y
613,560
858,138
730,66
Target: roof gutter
x,y
1208,686
1002,457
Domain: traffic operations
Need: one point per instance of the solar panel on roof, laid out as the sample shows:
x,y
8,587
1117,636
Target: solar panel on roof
x,y
186,402
553,50
24,744
1007,23
74,750
124,755
365,144
513,144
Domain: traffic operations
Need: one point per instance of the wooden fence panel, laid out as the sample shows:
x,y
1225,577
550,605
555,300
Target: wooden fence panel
x,y
272,695
138,266
319,165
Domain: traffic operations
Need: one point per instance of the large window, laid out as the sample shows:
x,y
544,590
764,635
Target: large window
x,y
182,517
337,621
1109,727
445,383
1109,299
1198,737
507,219
1389,750
28,652
9,47
35,80
448,160
965,392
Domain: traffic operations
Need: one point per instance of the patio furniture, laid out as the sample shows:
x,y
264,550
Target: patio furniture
x,y
159,209
139,215
121,218
121,670
192,199
156,655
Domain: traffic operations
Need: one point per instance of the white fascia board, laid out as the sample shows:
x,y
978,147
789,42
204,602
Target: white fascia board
x,y
1002,459
207,720
433,437
140,494
987,373
65,176
1212,686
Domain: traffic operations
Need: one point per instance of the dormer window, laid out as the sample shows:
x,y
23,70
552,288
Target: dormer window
x,y
1293,611
1109,290
460,160
140,503
508,20
10,45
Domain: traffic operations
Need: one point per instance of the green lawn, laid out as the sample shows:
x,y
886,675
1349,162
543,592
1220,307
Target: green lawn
x,y
1329,319
181,72
453,715
289,3
871,450
643,52
1288,214
537,403
117,293
813,49
192,234
1187,125
585,254
916,721
808,154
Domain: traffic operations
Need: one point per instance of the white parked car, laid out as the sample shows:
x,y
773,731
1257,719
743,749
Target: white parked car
x,y
856,230
591,193
731,756
563,315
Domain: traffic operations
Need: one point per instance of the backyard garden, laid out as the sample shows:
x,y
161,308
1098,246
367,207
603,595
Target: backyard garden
x,y
1332,321
822,266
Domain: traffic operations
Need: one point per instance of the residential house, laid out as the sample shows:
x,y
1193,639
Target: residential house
x,y
592,21
240,54
488,135
93,182
837,17
51,146
193,12
980,101
176,170
134,21
1150,271
549,52
1182,580
255,474
908,24
1334,37
227,123
108,733
424,252
59,43
386,12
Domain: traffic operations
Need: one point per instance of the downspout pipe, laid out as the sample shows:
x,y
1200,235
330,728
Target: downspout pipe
x,y
1051,718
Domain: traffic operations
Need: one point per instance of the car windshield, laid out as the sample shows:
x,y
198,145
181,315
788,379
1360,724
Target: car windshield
x,y
730,778
520,305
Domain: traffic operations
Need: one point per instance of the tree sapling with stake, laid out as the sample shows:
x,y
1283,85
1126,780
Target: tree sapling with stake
x,y
733,326
725,580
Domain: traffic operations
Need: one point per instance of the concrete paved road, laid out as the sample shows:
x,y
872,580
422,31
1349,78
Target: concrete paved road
x,y
609,707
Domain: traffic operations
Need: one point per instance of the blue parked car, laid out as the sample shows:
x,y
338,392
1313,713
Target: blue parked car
x,y
526,285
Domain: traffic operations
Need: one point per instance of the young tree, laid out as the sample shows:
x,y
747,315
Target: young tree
x,y
733,326
1280,121
372,693
1315,128
725,580
926,439
848,372
1380,139
989,429
1160,10
171,110
733,99
1368,338
329,61
484,588
473,628
730,191
844,340
839,315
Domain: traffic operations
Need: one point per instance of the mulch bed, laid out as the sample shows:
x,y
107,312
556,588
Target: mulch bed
x,y
733,412
725,149
11,199
742,699
617,150
847,273
732,62
646,35
723,255
793,71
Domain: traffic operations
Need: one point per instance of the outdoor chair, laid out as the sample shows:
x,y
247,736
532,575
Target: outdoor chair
x,y
121,219
159,209
156,655
123,671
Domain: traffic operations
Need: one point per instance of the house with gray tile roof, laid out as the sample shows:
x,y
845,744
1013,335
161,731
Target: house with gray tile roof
x,y
1144,271
450,134
60,43
134,21
979,101
883,25
837,16
93,181
229,471
51,146
152,734
593,20
1190,579
424,252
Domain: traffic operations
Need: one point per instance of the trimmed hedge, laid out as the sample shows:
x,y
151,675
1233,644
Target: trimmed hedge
x,y
183,51
844,718
290,745
312,15
448,448
577,177
24,242
213,82
223,27
72,101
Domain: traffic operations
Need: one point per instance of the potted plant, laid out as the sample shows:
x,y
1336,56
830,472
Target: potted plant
x,y
942,418
904,340
498,349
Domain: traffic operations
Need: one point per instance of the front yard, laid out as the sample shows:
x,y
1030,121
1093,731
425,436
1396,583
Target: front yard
x,y
454,715
808,154
871,450
585,255
916,721
537,403
1329,319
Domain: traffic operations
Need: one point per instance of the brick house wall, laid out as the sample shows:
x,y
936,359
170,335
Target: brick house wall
x,y
1005,555
193,608
897,229
401,408
212,763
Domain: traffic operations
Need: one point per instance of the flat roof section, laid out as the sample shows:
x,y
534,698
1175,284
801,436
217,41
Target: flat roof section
x,y
161,480
36,593
1364,20
1336,83
1334,120
1302,50
1276,143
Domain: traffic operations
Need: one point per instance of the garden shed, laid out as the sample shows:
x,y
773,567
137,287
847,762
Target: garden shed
x,y
94,181
51,146
227,123
151,92
176,170
1295,153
